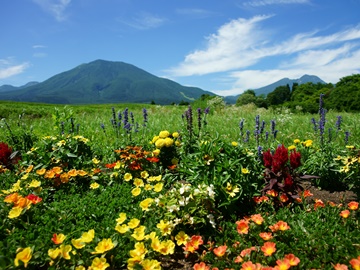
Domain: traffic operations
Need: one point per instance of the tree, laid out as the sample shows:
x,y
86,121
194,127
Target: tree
x,y
280,95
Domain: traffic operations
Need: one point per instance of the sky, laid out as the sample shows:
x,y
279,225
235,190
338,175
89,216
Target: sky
x,y
222,46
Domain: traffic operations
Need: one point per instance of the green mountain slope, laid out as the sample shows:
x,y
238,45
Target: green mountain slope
x,y
103,81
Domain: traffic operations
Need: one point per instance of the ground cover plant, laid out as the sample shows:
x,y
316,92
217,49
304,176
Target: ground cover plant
x,y
170,187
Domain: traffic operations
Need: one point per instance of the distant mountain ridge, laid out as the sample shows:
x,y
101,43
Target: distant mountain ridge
x,y
103,81
271,87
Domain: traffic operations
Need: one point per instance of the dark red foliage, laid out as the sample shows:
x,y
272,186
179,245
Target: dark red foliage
x,y
295,159
280,158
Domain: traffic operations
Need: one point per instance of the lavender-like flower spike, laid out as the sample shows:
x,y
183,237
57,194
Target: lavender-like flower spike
x,y
102,127
347,134
241,126
338,122
321,103
275,133
259,151
132,117
247,136
266,135
207,110
145,115
113,117
273,125
313,121
262,126
126,116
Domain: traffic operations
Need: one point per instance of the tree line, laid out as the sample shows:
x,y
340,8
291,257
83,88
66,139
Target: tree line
x,y
342,96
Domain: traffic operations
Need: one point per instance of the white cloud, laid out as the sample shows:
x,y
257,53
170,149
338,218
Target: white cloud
x,y
145,20
242,44
258,3
55,7
6,72
235,45
38,46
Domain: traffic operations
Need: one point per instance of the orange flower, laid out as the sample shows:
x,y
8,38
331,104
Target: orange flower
x,y
268,248
248,266
238,259
266,236
260,199
196,240
72,173
220,251
353,205
242,226
345,213
257,218
284,198
282,264
23,203
293,260
58,238
247,251
12,198
318,203
339,266
279,226
201,266
272,193
23,255
355,263
307,193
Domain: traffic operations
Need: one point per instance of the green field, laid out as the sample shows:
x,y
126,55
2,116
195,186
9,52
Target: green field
x,y
175,183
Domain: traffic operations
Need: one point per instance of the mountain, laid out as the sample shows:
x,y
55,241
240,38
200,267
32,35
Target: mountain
x,y
7,87
271,87
103,81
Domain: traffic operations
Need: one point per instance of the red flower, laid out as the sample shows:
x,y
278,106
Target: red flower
x,y
33,198
280,158
288,182
153,159
267,157
295,158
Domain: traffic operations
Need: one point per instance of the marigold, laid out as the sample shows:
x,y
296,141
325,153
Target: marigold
x,y
268,248
23,255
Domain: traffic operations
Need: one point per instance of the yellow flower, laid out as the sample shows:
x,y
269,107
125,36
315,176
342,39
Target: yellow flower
x,y
231,190
15,212
139,251
58,238
167,247
308,143
160,143
65,250
122,228
156,152
145,204
175,135
181,238
34,184
121,219
155,139
234,143
99,264
103,246
54,253
95,161
139,233
81,172
29,169
136,191
148,264
60,143
168,142
138,182
87,237
148,187
144,174
118,165
291,147
23,255
350,146
158,187
94,185
41,171
127,177
78,243
164,134
165,227
245,171
296,141
133,223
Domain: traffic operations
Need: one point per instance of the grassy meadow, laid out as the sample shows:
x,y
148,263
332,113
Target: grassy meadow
x,y
134,186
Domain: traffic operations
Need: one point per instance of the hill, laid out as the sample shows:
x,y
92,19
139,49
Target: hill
x,y
271,87
103,81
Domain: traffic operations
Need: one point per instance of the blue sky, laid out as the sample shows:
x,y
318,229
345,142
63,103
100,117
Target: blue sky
x,y
223,46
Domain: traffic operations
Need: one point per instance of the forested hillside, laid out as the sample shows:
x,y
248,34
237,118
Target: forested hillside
x,y
343,96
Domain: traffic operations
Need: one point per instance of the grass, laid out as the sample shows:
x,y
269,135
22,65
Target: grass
x,y
193,201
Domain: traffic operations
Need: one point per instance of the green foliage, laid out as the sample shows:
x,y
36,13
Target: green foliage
x,y
280,95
